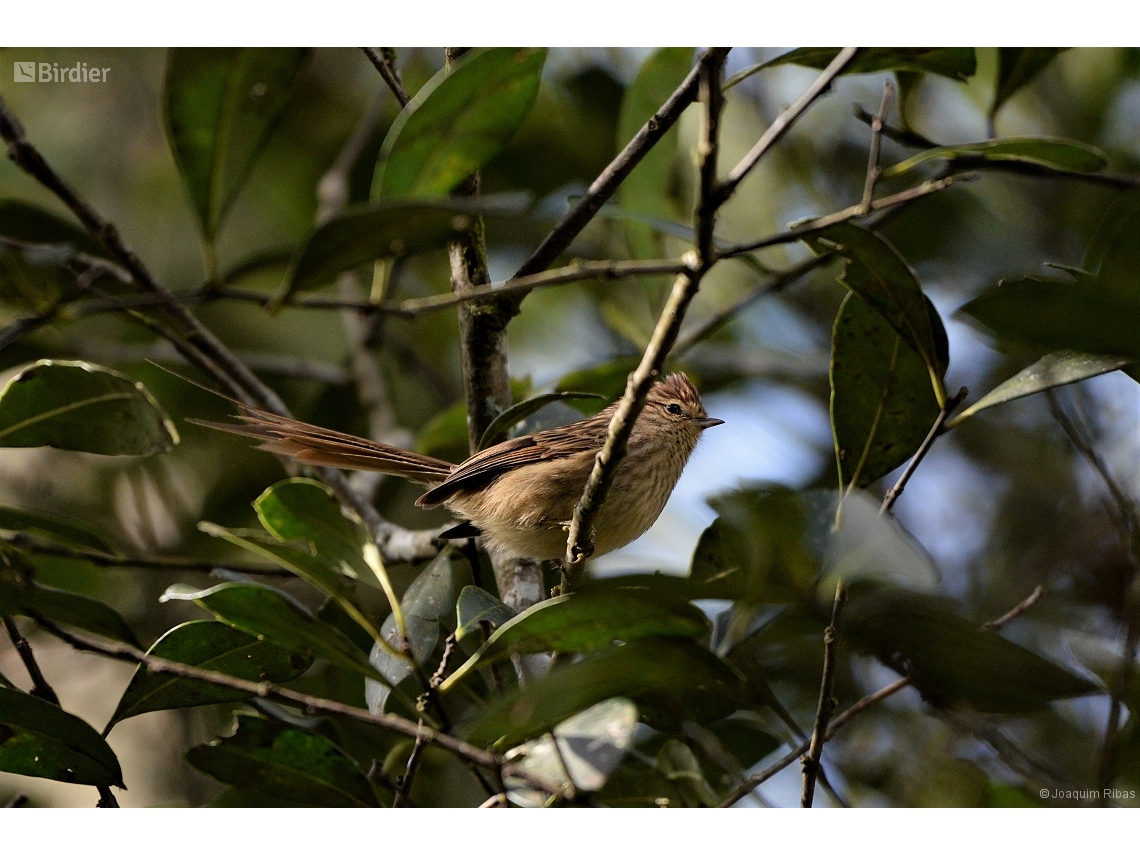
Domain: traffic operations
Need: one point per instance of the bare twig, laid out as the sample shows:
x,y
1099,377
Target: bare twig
x,y
387,67
1018,610
935,431
579,543
604,186
41,688
873,168
826,703
783,122
404,785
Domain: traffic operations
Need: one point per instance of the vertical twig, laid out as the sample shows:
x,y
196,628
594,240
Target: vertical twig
x,y
935,431
385,62
40,687
826,704
873,168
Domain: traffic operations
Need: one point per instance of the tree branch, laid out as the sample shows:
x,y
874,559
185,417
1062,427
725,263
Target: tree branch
x,y
935,431
826,702
386,65
41,688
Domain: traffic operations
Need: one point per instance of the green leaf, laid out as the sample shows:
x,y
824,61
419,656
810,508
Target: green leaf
x,y
754,551
263,611
26,222
458,121
677,763
876,271
950,660
33,279
588,620
54,528
1059,316
81,407
476,606
30,598
40,740
304,509
1067,155
496,431
216,647
387,229
853,540
445,434
646,190
607,379
744,739
882,403
429,599
1059,368
220,106
955,63
284,762
1114,250
671,680
1018,66
590,745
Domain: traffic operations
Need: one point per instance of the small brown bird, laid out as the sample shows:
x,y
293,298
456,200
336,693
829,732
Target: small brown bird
x,y
520,494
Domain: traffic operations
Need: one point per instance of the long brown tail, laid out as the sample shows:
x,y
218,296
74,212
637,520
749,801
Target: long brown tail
x,y
318,446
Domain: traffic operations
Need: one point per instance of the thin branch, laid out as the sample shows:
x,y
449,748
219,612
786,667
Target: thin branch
x,y
783,123
826,704
310,703
935,431
579,543
873,168
404,785
606,184
852,212
153,562
1128,521
387,68
41,688
1018,610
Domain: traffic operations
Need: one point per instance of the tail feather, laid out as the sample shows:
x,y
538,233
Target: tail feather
x,y
322,447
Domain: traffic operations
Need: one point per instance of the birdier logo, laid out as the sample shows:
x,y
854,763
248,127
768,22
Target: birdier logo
x,y
51,72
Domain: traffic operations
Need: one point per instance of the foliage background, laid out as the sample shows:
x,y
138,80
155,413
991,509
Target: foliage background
x,y
1002,504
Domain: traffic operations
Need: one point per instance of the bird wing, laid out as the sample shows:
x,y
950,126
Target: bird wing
x,y
552,444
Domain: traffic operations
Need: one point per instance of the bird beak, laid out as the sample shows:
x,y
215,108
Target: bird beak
x,y
708,423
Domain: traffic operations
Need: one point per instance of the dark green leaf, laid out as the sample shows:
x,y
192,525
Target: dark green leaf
x,y
426,602
744,739
275,260
877,273
27,598
40,740
955,63
476,606
590,746
459,120
33,279
1114,251
1067,155
26,222
950,659
646,190
263,611
81,407
385,229
1060,316
1050,371
281,761
332,614
304,509
1018,66
445,434
587,620
54,528
216,647
882,403
677,763
220,106
754,551
671,680
496,432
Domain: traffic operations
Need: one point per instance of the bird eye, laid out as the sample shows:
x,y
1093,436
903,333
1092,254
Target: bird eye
x,y
675,409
